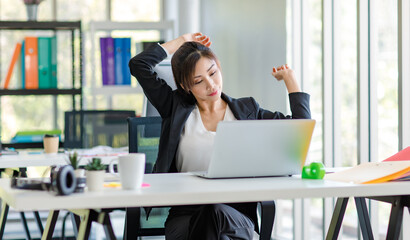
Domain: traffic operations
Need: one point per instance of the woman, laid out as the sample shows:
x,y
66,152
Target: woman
x,y
190,116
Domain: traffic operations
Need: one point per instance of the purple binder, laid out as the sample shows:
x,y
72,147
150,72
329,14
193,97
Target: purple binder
x,y
118,61
107,60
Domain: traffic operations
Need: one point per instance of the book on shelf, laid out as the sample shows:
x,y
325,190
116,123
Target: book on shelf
x,y
14,59
115,54
122,56
36,60
31,62
44,62
394,168
118,61
53,42
33,136
23,64
126,56
107,60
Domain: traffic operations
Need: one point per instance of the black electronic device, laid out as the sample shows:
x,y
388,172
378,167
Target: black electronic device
x,y
62,181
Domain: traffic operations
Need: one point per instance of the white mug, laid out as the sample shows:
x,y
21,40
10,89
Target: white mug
x,y
131,168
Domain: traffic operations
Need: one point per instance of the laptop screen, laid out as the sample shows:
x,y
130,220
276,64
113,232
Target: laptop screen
x,y
254,148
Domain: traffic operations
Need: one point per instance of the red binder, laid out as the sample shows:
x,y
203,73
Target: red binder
x,y
31,62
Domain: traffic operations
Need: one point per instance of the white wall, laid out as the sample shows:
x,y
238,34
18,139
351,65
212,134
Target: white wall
x,y
249,38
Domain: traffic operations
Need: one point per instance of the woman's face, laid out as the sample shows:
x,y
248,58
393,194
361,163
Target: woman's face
x,y
207,80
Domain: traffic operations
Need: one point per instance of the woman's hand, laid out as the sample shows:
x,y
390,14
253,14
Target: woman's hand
x,y
197,37
288,76
173,45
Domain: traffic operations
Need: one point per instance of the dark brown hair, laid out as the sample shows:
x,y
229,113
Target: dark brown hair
x,y
184,61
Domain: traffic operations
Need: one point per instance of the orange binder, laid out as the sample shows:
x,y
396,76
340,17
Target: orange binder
x,y
31,62
16,55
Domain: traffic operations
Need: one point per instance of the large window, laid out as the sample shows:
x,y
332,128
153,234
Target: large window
x,y
386,66
328,48
385,49
345,76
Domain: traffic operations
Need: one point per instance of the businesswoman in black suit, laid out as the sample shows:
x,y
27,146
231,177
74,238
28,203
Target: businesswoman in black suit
x,y
190,115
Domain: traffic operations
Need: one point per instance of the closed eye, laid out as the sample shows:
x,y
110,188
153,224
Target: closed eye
x,y
212,73
198,82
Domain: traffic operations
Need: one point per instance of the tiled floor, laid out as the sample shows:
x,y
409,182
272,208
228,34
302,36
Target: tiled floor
x,y
14,227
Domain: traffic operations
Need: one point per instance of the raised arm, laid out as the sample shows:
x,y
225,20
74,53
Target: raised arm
x,y
173,45
288,76
299,101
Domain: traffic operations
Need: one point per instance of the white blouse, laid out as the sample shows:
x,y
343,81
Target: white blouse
x,y
196,143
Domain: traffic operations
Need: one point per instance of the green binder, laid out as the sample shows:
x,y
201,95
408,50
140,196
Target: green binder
x,y
54,62
44,62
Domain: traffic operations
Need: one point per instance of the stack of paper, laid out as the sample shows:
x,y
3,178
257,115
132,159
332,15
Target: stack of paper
x,y
394,168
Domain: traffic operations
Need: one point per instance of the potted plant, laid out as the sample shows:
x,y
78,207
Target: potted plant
x,y
95,174
74,161
31,6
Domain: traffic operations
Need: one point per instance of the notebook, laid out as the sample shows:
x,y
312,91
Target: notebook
x,y
258,148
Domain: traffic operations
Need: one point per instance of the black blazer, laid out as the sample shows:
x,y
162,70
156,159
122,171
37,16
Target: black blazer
x,y
175,107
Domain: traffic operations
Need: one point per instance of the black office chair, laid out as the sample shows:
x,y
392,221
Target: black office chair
x,y
90,128
143,136
144,133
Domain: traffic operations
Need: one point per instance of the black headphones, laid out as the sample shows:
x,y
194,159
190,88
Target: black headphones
x,y
62,181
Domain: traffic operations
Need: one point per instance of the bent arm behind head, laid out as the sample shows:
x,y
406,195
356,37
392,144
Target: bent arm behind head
x,y
173,45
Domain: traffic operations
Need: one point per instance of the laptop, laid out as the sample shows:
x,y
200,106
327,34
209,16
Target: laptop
x,y
259,148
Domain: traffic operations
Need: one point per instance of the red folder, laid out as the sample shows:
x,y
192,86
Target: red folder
x,y
31,62
403,155
400,156
16,55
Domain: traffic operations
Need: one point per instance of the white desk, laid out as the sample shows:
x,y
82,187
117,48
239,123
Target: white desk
x,y
185,189
32,160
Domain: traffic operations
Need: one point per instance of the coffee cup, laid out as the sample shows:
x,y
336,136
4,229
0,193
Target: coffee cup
x,y
131,168
50,143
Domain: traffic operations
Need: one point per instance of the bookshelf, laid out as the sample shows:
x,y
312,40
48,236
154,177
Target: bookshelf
x,y
166,28
22,92
76,67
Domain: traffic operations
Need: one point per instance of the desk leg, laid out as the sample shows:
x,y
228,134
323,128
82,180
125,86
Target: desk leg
x,y
364,219
396,219
85,225
39,223
75,219
25,225
87,217
337,218
3,217
50,225
106,222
